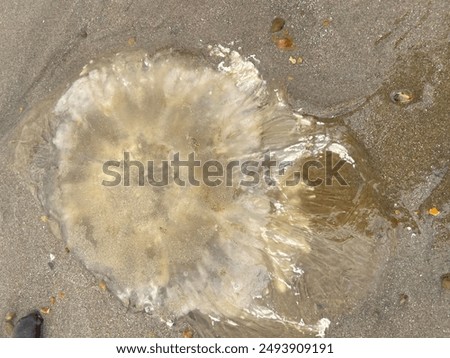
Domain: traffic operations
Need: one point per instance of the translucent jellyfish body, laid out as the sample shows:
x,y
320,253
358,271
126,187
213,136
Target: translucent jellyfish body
x,y
253,255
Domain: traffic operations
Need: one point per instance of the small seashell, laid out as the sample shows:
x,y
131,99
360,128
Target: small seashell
x,y
401,97
277,24
445,281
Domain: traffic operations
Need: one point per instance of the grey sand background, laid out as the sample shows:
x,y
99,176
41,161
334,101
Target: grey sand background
x,y
354,54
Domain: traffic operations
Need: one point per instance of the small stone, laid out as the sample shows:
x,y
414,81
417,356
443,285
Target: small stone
x,y
29,326
188,333
51,263
52,300
434,211
401,97
300,60
10,316
44,218
445,281
45,310
403,298
61,295
277,24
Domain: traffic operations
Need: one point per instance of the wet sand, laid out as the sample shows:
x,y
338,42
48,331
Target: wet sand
x,y
354,55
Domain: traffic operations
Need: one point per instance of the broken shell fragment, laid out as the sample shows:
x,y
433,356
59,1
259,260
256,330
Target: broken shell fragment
x,y
45,310
284,43
10,316
326,22
434,211
102,285
188,333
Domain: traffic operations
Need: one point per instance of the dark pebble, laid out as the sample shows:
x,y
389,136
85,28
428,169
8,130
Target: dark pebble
x,y
29,326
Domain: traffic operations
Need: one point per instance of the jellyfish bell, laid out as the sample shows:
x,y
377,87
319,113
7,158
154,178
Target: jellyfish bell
x,y
232,255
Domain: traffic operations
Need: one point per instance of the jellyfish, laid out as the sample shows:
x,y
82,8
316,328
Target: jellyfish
x,y
250,250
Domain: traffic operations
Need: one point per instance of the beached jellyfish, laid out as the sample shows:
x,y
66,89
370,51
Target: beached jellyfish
x,y
155,171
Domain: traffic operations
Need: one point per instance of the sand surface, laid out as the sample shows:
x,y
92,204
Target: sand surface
x,y
355,53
